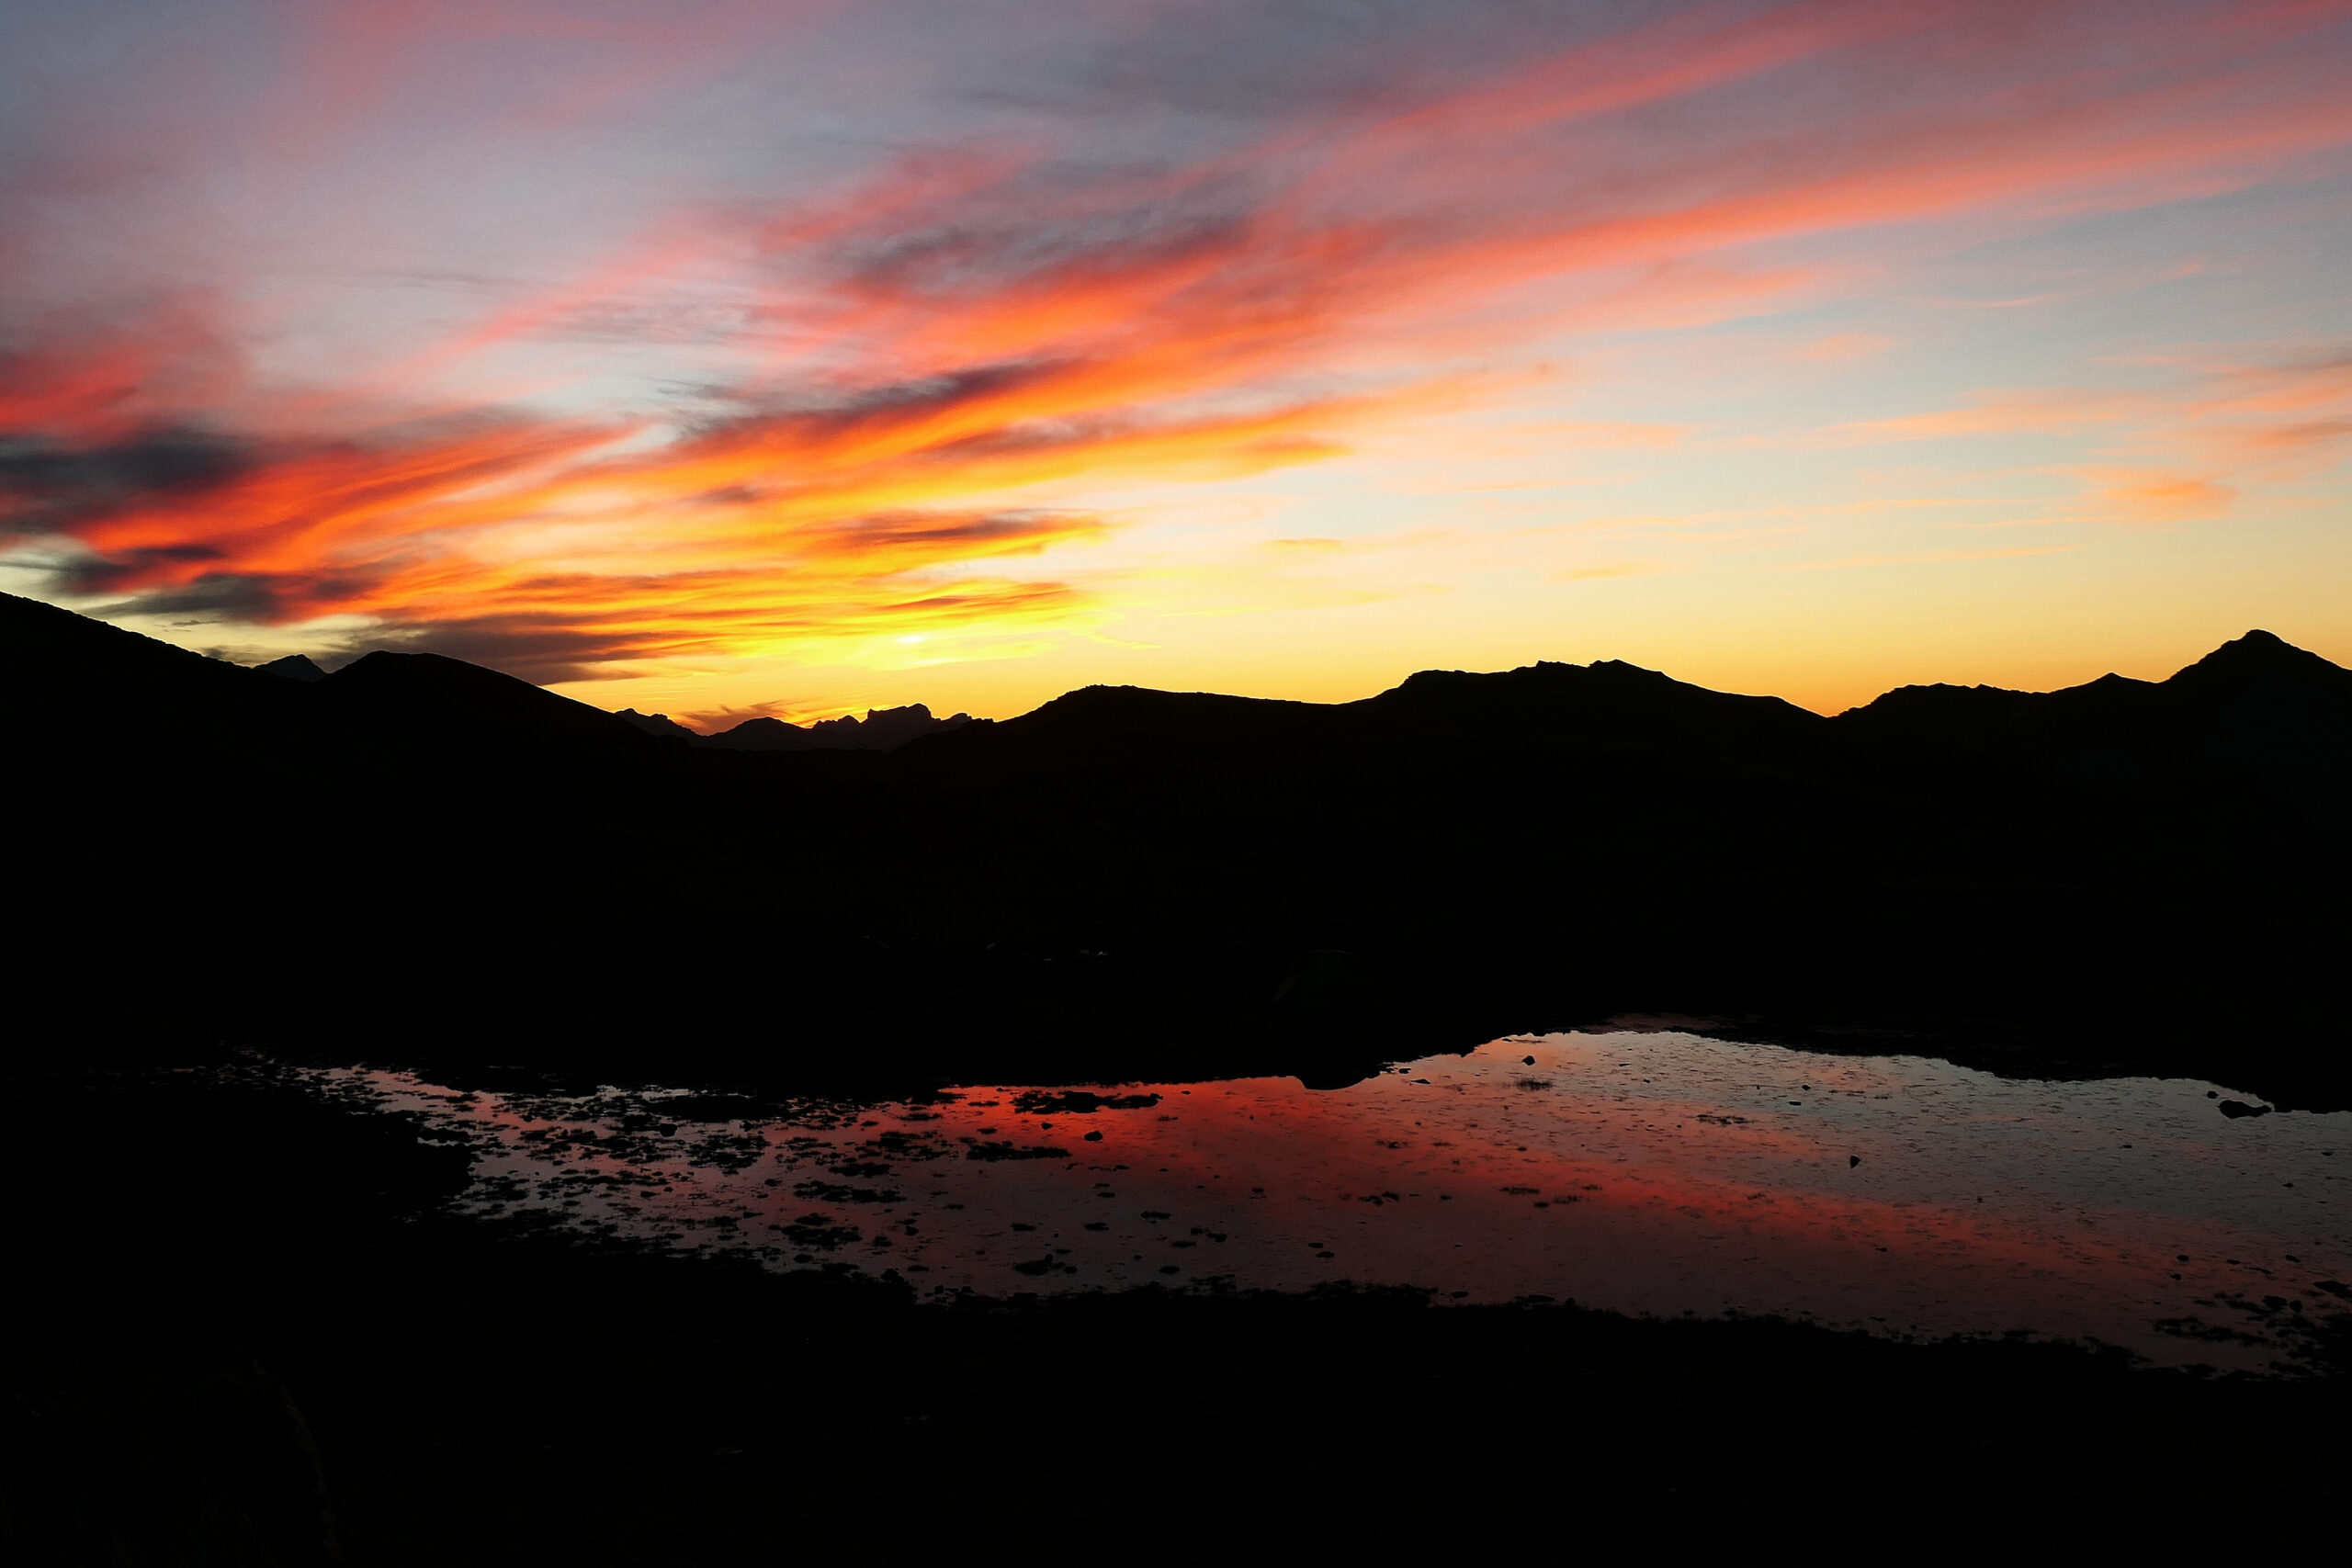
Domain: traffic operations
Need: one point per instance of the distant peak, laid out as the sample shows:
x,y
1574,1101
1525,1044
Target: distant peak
x,y
2257,651
293,667
2256,641
656,724
882,730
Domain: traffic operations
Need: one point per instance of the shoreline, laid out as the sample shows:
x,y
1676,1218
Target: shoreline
x,y
477,1392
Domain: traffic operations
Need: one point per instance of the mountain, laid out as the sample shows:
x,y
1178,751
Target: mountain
x,y
73,670
883,730
293,667
2257,711
1608,702
441,701
657,724
1608,706
415,855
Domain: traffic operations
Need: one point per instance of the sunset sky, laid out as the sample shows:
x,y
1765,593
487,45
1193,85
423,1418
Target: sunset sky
x,y
805,356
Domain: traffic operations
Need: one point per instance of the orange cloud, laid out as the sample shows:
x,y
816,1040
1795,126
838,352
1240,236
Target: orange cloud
x,y
2157,496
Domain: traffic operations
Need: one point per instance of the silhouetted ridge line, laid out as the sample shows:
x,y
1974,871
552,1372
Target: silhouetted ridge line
x,y
1607,701
293,667
2256,710
73,679
883,729
1129,883
48,648
448,698
2258,655
657,724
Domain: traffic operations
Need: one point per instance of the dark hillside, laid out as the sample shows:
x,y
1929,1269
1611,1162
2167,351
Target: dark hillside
x,y
417,857
443,704
2256,711
293,667
1603,704
72,678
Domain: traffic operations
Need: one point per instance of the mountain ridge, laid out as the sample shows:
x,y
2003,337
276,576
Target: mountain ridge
x,y
1127,883
2257,708
1611,699
882,730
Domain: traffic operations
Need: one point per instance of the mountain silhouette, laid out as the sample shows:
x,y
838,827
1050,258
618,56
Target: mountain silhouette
x,y
1605,707
882,730
293,667
417,855
425,696
2256,709
61,659
657,724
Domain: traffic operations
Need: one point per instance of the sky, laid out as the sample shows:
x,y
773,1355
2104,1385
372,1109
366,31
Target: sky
x,y
799,357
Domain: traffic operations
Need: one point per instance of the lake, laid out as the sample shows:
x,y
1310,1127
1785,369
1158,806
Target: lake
x,y
1658,1172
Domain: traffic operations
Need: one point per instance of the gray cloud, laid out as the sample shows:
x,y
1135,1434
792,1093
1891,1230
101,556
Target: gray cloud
x,y
539,648
47,485
252,597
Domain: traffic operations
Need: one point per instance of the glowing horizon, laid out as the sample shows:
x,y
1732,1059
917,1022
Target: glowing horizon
x,y
803,358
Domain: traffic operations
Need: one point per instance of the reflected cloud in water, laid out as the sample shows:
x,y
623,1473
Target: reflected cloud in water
x,y
1659,1173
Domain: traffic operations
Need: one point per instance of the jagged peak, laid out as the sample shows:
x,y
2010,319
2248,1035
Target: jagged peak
x,y
656,724
1623,668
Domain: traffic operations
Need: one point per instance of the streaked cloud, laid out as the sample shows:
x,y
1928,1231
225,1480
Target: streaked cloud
x,y
866,405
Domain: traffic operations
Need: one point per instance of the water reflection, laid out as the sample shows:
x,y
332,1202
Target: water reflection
x,y
1658,1173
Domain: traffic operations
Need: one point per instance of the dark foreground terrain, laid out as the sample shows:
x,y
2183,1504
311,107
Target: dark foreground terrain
x,y
223,1365
248,1333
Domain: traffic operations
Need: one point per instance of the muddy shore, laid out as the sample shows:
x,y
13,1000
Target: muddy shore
x,y
267,1365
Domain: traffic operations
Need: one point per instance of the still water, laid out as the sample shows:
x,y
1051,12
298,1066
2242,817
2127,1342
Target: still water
x,y
1660,1173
